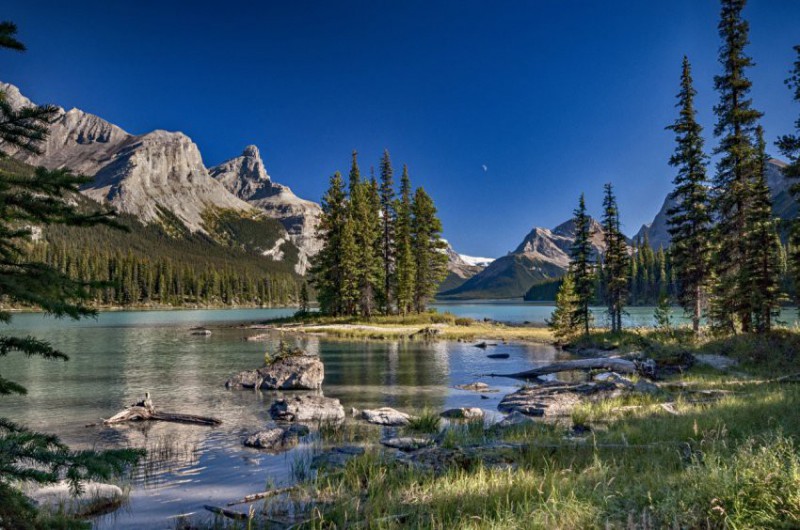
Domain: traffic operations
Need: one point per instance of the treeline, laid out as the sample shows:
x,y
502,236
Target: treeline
x,y
726,260
382,253
147,267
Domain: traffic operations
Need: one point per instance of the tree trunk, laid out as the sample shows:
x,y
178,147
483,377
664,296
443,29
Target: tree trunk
x,y
613,364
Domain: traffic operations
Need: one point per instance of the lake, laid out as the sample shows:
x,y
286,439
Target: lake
x,y
117,357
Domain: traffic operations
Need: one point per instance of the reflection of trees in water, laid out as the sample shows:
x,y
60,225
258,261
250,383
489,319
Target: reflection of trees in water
x,y
399,374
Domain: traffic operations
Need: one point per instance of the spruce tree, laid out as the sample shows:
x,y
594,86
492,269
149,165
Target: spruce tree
x,y
615,260
761,270
581,267
326,270
735,127
689,220
404,268
430,257
42,199
789,146
387,220
365,215
304,303
562,321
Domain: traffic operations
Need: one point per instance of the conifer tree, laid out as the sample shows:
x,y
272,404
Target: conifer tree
x,y
430,258
689,220
562,321
365,215
663,313
615,262
789,146
761,270
404,269
348,291
41,199
326,270
387,219
735,127
581,267
304,303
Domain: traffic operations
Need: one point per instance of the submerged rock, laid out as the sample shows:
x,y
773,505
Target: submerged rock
x,y
385,416
277,439
463,413
307,408
296,372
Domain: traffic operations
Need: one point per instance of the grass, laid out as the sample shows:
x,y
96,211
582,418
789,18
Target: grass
x,y
426,421
398,327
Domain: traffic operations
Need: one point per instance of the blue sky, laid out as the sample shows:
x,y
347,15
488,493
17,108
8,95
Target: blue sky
x,y
554,97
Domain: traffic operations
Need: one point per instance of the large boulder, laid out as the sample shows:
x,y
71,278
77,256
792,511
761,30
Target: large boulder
x,y
463,413
296,372
94,497
385,416
307,408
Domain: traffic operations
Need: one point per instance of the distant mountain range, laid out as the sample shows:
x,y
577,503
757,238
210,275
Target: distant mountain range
x,y
543,255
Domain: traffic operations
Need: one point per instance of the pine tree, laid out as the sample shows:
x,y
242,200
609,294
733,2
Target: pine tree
x,y
348,292
581,267
430,258
404,270
615,263
690,221
736,122
663,313
304,303
41,199
562,321
365,214
388,216
761,270
326,271
789,146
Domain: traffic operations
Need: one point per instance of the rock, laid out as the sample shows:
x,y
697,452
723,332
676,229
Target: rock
x,y
385,416
201,331
277,439
646,387
296,372
554,398
336,457
720,362
513,419
476,387
498,356
307,408
246,177
96,497
615,378
463,413
407,444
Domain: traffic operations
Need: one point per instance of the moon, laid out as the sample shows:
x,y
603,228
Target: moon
x,y
485,168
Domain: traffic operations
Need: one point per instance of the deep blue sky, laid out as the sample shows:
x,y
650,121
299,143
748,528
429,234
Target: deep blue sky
x,y
555,97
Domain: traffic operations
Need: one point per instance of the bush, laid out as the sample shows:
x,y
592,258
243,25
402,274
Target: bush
x,y
463,321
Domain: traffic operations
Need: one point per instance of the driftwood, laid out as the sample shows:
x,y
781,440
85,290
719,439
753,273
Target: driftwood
x,y
611,364
238,516
262,495
145,411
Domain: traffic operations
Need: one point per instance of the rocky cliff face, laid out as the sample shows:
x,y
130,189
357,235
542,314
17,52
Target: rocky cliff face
x,y
160,177
246,177
783,206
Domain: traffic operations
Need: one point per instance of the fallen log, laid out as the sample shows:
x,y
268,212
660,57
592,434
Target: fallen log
x,y
262,495
145,411
230,514
612,364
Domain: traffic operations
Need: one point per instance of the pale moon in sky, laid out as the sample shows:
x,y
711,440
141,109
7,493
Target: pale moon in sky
x,y
485,169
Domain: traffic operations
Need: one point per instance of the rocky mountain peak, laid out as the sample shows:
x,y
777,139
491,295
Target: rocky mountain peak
x,y
251,151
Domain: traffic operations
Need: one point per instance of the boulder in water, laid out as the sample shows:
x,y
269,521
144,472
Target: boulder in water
x,y
307,408
295,372
385,416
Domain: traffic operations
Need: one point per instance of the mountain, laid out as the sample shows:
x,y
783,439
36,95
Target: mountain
x,y
246,177
783,206
542,255
159,177
459,270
